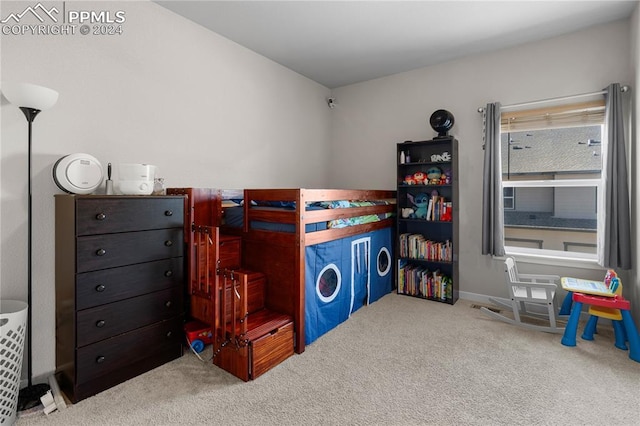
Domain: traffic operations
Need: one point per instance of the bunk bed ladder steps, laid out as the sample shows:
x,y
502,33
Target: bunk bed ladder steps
x,y
205,255
259,339
204,262
248,338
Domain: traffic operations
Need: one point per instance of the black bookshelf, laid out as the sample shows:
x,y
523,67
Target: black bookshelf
x,y
427,219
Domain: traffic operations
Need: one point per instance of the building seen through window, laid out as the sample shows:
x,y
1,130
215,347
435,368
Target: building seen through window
x,y
550,180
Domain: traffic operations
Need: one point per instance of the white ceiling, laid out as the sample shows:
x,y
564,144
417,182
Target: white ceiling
x,y
337,43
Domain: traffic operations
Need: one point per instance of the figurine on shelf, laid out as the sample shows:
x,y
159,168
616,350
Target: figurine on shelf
x,y
446,176
420,178
408,180
407,212
433,175
421,201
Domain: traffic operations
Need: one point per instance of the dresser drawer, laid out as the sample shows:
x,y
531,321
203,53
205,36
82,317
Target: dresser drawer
x,y
117,353
112,250
106,321
110,285
107,215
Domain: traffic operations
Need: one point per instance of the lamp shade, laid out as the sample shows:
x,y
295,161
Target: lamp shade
x,y
29,95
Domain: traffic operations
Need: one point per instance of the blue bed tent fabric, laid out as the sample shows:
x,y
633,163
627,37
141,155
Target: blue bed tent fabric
x,y
327,295
382,268
342,276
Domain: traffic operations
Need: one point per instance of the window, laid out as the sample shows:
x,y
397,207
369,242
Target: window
x,y
384,262
554,159
328,283
509,198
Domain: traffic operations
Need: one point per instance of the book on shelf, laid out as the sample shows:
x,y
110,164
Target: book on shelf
x,y
417,280
417,246
438,209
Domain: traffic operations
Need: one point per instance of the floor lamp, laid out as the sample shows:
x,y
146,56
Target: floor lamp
x,y
31,99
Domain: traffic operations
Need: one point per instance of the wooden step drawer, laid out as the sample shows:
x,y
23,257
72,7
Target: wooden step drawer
x,y
117,353
106,321
270,341
110,285
124,214
112,250
271,349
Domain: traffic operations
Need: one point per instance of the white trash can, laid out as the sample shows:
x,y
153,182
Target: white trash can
x,y
13,324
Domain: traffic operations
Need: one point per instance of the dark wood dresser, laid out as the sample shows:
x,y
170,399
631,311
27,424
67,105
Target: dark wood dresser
x,y
120,286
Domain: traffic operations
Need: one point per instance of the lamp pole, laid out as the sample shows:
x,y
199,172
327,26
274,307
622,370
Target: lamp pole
x,y
30,99
30,114
30,395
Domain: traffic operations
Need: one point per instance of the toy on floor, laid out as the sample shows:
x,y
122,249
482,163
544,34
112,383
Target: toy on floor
x,y
595,312
611,305
198,335
528,292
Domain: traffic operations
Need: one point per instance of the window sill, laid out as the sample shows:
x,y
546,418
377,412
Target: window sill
x,y
554,258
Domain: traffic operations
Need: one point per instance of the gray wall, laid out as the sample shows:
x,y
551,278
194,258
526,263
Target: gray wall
x,y
371,117
205,110
632,284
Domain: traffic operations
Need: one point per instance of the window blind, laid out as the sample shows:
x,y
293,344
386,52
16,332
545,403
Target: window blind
x,y
569,115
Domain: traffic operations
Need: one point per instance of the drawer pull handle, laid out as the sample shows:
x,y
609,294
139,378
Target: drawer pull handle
x,y
168,304
101,216
100,288
169,334
168,213
99,359
168,243
101,252
100,323
168,273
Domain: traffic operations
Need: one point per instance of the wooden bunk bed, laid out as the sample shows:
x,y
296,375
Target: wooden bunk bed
x,y
282,255
302,222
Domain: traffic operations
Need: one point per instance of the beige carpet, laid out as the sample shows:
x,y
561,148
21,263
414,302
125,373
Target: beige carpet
x,y
399,361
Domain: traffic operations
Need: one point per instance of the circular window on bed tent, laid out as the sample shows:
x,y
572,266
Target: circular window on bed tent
x,y
328,283
384,262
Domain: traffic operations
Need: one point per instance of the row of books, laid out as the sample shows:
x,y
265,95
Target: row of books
x,y
416,246
417,280
439,209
